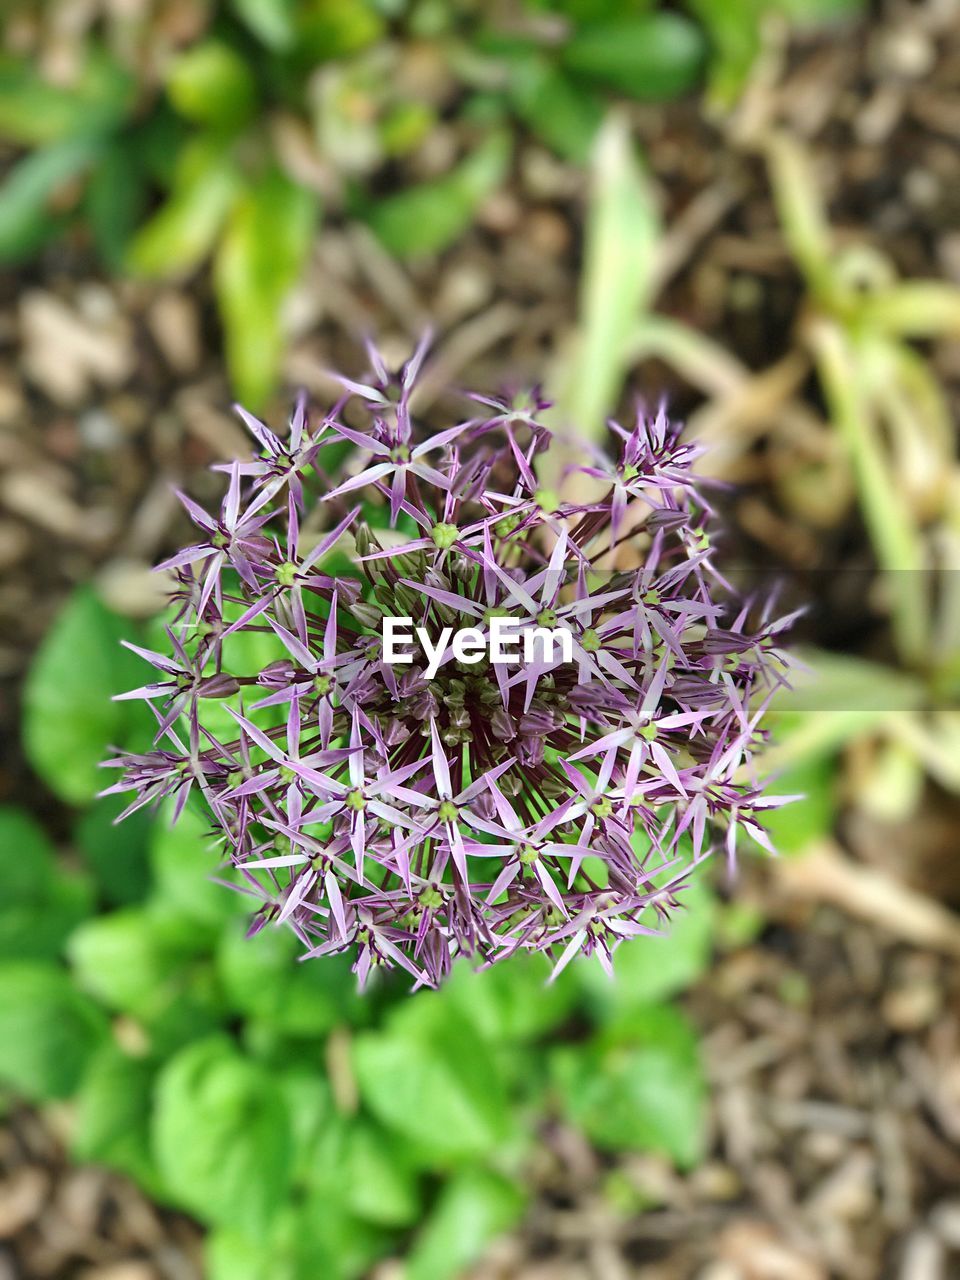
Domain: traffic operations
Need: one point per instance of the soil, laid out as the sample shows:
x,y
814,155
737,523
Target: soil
x,y
831,1044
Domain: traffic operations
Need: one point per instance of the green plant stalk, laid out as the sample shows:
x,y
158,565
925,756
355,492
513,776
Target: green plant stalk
x,y
895,539
804,226
697,358
916,309
617,283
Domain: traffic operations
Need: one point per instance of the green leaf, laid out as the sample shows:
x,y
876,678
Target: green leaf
x,y
640,1087
647,970
358,1180
618,280
115,200
34,111
210,83
116,852
811,13
313,1117
48,1030
734,29
125,958
69,719
27,865
430,217
315,1240
222,1136
185,857
263,253
180,235
797,825
26,220
511,1003
653,56
430,1077
264,979
230,1253
329,29
112,1116
271,21
474,1208
41,903
380,1186
153,966
566,116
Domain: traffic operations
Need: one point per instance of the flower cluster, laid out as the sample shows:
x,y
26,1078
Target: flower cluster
x,y
551,805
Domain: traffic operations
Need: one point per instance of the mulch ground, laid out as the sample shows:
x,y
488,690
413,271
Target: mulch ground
x,y
832,1047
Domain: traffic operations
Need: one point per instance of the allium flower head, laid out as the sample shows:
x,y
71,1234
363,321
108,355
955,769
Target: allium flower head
x,y
481,809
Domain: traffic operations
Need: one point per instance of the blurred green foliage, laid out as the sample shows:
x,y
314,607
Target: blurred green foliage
x,y
222,140
311,1128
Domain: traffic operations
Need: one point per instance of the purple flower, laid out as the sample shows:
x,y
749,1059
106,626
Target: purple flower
x,y
456,804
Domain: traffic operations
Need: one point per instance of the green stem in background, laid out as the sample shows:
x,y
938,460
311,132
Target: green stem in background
x,y
917,309
697,358
617,283
801,216
843,698
896,541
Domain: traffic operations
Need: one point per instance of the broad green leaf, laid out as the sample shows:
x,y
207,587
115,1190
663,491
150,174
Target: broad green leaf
x,y
48,1030
264,978
617,281
116,852
808,13
652,56
39,929
586,12
430,217
221,1136
69,719
317,1240
647,970
27,864
313,1116
380,1186
734,30
41,902
330,1240
230,1253
180,235
210,83
797,825
638,1088
115,200
474,1208
329,29
112,1115
26,219
185,857
34,111
125,958
510,1003
153,966
262,255
271,21
563,114
429,1077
